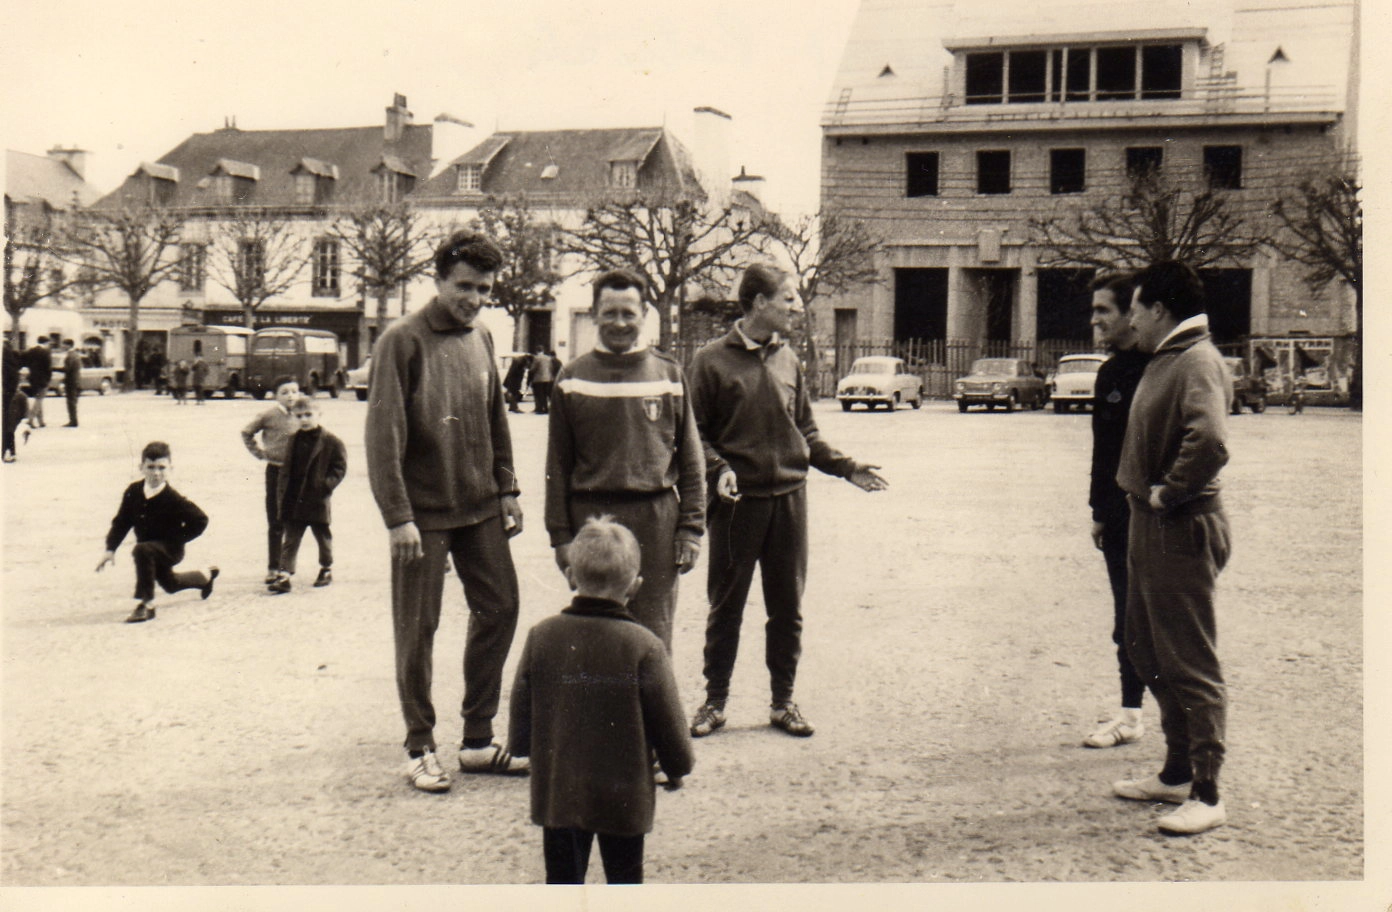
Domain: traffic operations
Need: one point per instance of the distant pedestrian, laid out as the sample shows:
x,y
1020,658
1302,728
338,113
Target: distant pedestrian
x,y
1113,391
72,379
164,522
1298,386
273,427
14,404
542,377
158,367
513,380
39,360
316,463
198,376
755,417
593,701
179,374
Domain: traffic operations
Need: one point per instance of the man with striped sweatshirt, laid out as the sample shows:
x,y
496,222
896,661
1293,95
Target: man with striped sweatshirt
x,y
623,442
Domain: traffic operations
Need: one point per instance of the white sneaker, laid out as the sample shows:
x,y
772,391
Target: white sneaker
x,y
426,774
1151,789
492,759
1193,816
1113,733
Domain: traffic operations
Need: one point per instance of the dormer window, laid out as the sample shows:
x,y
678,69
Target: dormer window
x,y
234,181
314,182
1121,72
469,179
161,182
304,188
394,179
623,174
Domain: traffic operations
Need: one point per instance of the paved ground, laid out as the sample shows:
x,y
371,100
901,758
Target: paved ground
x,y
956,651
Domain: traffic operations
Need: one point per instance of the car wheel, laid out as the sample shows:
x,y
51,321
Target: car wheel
x,y
893,403
918,400
1237,406
104,387
1013,402
1260,405
362,397
962,407
259,394
1060,407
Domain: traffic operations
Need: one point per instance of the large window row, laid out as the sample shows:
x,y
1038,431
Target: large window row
x,y
325,268
1068,172
1121,73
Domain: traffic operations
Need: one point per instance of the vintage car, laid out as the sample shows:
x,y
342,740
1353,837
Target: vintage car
x,y
879,380
1008,382
96,378
356,379
1072,381
1248,389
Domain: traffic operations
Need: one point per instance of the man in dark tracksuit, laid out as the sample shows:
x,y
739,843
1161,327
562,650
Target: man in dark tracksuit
x,y
1111,404
39,360
756,422
72,379
439,460
1176,444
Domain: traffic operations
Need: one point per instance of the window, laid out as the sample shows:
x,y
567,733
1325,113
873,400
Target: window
x,y
985,78
222,188
161,191
1027,69
623,174
470,178
1073,74
993,172
1116,73
1223,166
921,174
1162,68
325,268
1144,161
193,262
1067,170
251,264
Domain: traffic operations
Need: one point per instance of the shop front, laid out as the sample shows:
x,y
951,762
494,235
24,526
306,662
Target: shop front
x,y
342,322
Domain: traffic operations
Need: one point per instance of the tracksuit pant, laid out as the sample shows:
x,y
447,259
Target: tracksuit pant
x,y
1171,630
71,392
483,560
652,518
567,854
154,563
275,529
1114,542
771,533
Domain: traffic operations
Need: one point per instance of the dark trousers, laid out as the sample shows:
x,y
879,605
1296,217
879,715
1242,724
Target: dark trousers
x,y
198,394
652,518
541,394
483,560
15,408
37,395
275,529
567,853
154,563
1114,542
772,533
71,393
512,397
294,534
1172,634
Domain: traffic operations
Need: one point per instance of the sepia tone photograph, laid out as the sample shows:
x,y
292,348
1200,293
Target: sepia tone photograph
x,y
885,450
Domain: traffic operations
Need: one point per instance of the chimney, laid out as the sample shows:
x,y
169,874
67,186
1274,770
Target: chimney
x,y
752,184
712,150
450,138
76,159
398,118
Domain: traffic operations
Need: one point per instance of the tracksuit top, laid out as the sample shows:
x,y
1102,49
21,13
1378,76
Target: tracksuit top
x,y
167,517
754,416
1176,436
277,426
1117,379
623,424
439,452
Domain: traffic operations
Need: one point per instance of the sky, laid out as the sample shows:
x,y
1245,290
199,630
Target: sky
x,y
129,80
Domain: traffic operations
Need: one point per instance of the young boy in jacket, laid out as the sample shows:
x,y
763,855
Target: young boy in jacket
x,y
164,521
315,464
274,426
593,700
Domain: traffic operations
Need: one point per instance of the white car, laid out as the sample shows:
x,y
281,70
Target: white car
x,y
356,379
1073,380
879,380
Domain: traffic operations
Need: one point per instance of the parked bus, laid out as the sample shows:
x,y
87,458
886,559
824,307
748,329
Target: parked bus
x,y
224,348
308,355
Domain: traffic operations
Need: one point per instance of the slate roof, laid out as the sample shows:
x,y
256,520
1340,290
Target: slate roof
x,y
355,152
30,178
576,164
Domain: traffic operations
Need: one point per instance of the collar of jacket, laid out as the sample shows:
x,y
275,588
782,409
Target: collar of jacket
x,y
1184,339
438,318
598,607
738,339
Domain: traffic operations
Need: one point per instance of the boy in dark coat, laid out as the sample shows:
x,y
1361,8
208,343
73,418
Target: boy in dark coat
x,y
593,700
315,464
164,521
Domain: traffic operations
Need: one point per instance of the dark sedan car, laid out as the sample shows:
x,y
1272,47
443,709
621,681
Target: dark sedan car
x,y
1010,383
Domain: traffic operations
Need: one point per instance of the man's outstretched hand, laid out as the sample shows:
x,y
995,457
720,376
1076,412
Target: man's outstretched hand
x,y
867,479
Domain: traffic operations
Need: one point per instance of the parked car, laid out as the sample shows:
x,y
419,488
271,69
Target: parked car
x,y
100,380
879,380
1072,382
1248,389
308,355
356,379
1008,382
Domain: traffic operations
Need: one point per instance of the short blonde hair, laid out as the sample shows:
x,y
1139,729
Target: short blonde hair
x,y
604,555
303,403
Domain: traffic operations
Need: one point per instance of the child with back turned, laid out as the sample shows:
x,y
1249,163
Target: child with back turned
x,y
593,700
315,463
164,521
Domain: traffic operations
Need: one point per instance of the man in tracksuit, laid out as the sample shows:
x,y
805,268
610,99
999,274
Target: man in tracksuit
x,y
1180,541
623,442
755,418
439,461
1113,391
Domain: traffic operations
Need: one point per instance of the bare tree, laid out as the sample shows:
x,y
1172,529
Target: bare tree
x,y
256,255
131,248
1156,217
33,268
391,245
1321,227
673,241
528,277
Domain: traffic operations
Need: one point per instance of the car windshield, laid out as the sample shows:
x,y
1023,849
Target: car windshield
x,y
1079,367
873,367
994,367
